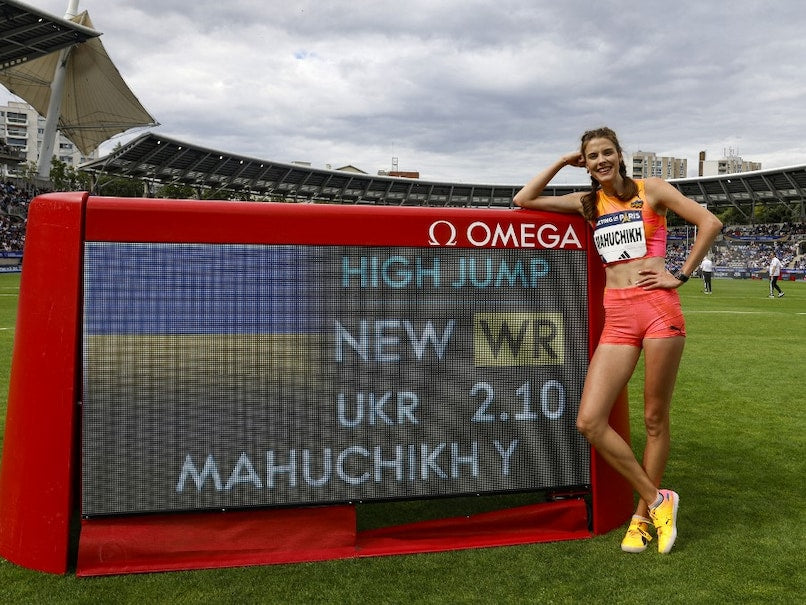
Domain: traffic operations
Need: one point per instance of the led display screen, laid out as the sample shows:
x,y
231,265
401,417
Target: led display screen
x,y
221,376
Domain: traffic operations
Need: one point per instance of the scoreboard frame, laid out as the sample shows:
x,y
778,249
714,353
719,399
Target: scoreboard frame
x,y
40,470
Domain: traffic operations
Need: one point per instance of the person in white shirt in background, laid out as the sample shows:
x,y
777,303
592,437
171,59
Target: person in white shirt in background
x,y
775,273
707,268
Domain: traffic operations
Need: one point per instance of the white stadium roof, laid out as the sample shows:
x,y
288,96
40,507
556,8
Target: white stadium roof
x,y
27,33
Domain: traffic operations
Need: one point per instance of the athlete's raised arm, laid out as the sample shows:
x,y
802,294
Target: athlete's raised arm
x,y
531,196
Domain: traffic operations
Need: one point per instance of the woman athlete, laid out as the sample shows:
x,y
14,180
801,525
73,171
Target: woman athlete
x,y
642,311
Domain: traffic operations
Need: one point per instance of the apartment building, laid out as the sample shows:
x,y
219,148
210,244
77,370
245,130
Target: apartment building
x,y
731,163
22,128
644,164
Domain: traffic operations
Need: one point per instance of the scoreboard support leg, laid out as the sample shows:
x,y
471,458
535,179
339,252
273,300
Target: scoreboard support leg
x,y
38,477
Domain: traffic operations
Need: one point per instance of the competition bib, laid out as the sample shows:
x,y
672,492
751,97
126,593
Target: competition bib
x,y
620,236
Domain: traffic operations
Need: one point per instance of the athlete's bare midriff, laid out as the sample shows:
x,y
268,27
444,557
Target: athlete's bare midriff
x,y
625,275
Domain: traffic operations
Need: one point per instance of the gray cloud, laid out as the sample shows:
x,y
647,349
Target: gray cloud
x,y
470,91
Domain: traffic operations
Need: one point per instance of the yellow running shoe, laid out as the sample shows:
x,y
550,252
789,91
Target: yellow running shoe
x,y
664,516
637,536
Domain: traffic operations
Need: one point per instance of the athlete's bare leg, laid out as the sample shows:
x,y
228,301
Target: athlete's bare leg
x,y
661,361
608,374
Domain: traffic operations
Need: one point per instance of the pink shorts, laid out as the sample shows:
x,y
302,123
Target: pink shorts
x,y
633,314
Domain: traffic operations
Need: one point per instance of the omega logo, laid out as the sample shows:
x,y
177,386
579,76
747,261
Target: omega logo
x,y
447,231
504,235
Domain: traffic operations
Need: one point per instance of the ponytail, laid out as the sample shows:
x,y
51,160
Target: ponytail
x,y
589,201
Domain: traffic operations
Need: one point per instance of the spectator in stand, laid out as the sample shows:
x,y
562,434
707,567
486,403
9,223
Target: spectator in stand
x,y
747,248
14,202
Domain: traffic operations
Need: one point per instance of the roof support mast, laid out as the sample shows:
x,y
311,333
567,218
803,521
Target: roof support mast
x,y
55,103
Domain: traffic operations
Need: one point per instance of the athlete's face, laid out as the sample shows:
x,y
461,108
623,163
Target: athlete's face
x,y
602,159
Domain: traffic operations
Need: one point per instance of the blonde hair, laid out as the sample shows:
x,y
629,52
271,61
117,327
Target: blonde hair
x,y
630,187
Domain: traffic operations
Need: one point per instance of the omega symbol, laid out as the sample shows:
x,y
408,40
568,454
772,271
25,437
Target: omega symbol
x,y
448,230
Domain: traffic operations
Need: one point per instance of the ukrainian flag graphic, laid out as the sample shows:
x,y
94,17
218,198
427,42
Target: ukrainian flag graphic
x,y
190,345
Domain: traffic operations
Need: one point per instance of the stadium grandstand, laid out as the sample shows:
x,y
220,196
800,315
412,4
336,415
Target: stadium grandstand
x,y
161,160
742,251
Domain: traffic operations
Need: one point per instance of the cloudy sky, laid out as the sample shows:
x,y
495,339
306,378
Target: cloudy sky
x,y
471,90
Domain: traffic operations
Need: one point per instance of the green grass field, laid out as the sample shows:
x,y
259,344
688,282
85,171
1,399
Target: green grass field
x,y
737,459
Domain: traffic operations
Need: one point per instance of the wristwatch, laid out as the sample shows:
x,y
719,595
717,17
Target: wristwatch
x,y
681,276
